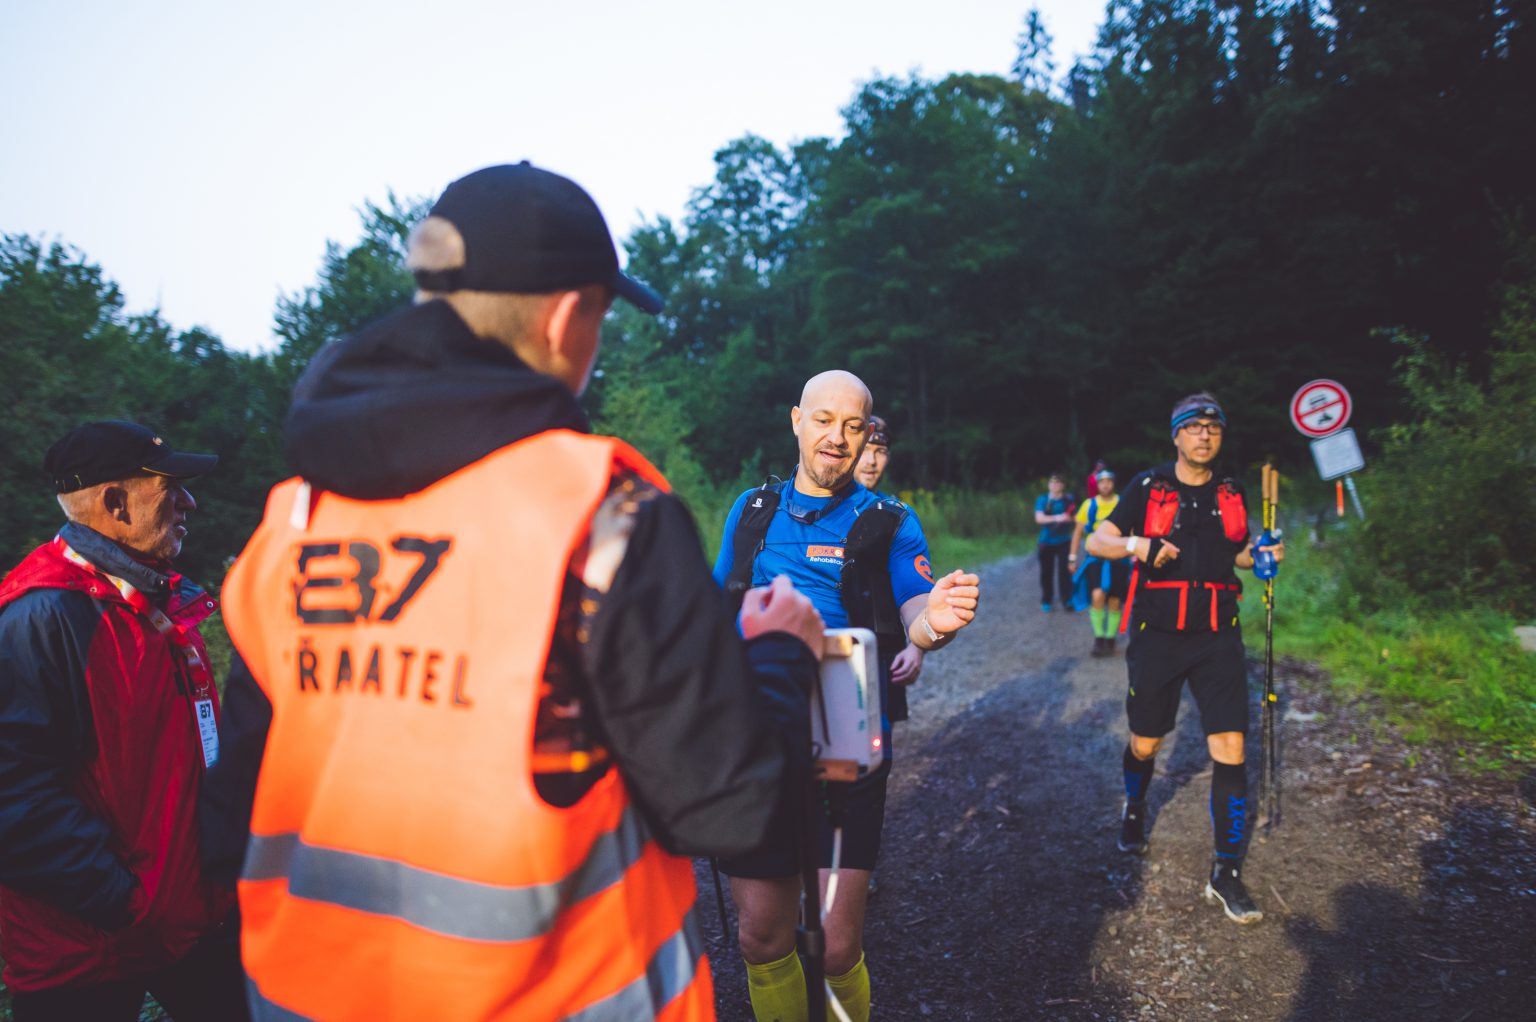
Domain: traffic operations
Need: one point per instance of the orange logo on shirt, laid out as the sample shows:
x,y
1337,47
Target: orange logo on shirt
x,y
920,562
824,551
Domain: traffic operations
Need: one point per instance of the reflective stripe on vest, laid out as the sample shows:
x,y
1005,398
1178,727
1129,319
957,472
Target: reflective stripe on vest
x,y
401,864
443,904
667,976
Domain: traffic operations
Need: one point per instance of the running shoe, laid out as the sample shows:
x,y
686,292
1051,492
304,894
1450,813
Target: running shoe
x,y
1226,887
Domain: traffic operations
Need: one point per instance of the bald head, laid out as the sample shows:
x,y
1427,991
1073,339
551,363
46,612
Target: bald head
x,y
835,386
831,423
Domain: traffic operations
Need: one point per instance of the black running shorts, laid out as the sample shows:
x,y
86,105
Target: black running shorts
x,y
862,806
1213,663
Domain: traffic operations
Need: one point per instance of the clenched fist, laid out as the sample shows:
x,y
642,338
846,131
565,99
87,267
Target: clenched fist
x,y
952,603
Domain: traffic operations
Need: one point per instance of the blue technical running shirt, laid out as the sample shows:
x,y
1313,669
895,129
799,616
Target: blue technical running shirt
x,y
812,554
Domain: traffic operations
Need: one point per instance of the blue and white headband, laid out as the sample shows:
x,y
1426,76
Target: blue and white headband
x,y
1190,410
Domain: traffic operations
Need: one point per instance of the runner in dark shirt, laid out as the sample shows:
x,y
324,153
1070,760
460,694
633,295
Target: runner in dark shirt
x,y
1186,526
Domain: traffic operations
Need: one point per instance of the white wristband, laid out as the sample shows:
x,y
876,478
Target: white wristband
x,y
933,636
1130,544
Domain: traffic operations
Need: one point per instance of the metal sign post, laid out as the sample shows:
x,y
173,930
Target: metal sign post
x,y
1339,455
1319,410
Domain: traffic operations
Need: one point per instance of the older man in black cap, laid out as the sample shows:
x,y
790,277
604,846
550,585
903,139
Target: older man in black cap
x,y
108,720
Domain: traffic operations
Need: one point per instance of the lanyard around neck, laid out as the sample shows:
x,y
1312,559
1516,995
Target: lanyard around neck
x,y
815,515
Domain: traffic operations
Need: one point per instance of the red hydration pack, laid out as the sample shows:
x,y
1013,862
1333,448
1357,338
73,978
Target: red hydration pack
x,y
1162,508
1234,513
1161,519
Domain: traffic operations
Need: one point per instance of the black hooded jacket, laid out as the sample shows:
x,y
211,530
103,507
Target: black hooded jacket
x,y
703,728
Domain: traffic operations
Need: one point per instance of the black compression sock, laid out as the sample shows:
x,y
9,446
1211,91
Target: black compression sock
x,y
1138,775
1229,809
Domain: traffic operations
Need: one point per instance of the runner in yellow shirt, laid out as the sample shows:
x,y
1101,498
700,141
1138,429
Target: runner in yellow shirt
x,y
1106,580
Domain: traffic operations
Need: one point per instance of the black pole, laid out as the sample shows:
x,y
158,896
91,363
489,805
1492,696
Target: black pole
x,y
812,941
1269,796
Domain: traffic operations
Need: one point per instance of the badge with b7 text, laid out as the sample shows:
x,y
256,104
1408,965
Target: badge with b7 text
x,y
207,730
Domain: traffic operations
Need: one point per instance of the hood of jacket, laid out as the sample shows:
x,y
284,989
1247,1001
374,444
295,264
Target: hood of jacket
x,y
412,398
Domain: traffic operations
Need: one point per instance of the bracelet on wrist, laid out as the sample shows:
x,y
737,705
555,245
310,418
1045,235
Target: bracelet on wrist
x,y
933,636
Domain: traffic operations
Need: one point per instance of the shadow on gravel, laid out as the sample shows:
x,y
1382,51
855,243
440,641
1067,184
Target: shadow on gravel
x,y
991,895
1461,952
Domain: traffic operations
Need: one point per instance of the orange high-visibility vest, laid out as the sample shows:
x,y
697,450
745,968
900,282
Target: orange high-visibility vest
x,y
401,864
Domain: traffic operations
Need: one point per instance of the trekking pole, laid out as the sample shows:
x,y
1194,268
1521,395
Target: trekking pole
x,y
1269,788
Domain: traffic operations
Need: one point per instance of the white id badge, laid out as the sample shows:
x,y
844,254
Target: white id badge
x,y
207,730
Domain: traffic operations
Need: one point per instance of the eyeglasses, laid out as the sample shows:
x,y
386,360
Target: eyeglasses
x,y
1203,428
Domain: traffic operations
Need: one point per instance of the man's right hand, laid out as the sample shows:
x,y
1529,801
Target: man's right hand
x,y
780,608
1166,551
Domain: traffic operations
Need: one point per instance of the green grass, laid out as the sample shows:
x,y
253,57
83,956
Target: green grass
x,y
1447,672
966,529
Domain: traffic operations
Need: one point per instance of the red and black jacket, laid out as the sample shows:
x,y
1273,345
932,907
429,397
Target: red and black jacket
x,y
100,766
1199,590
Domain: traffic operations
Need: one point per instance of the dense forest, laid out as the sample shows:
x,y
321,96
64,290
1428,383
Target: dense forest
x,y
1238,195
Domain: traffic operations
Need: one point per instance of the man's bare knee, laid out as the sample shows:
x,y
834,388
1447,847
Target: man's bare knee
x,y
1143,747
760,945
843,953
1226,746
766,911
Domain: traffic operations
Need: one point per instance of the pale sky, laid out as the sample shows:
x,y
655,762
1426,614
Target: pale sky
x,y
202,153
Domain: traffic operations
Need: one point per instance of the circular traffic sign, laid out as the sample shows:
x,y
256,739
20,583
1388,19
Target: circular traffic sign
x,y
1320,408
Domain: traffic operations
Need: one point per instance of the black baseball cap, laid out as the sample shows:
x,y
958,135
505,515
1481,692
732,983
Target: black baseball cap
x,y
879,432
529,231
100,452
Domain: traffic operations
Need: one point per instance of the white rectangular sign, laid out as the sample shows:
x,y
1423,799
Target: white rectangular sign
x,y
1337,455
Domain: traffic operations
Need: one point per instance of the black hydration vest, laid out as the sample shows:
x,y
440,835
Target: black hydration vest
x,y
865,582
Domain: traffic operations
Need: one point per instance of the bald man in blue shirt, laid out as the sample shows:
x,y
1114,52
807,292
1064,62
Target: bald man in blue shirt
x,y
812,530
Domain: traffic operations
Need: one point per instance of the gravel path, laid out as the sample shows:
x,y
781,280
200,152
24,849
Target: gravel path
x,y
1398,885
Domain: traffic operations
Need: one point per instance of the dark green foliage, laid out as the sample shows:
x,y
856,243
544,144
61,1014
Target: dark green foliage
x,y
357,285
1231,195
69,354
1226,194
1460,476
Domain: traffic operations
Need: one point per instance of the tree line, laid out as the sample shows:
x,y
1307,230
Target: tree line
x,y
1235,195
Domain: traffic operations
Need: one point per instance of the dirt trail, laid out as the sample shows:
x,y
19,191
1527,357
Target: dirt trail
x,y
1395,888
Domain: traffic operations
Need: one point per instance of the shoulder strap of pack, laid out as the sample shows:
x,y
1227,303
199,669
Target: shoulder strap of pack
x,y
866,573
747,540
876,526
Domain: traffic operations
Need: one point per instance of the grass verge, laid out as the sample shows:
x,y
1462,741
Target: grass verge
x,y
1452,673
